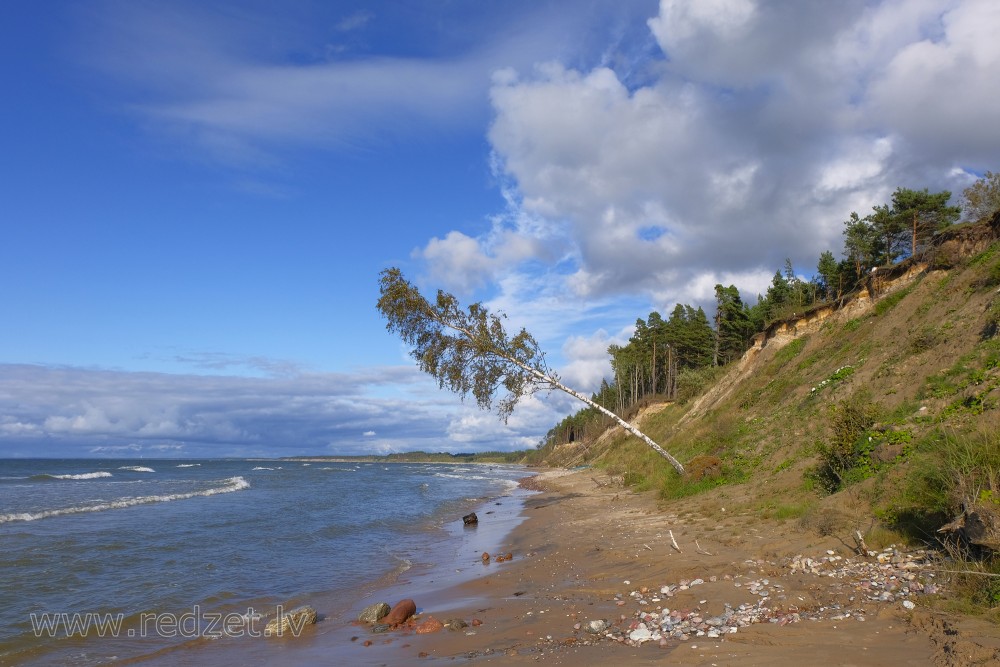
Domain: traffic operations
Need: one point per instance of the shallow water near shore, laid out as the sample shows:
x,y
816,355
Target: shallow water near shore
x,y
170,549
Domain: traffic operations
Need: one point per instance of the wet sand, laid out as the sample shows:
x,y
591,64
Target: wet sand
x,y
584,551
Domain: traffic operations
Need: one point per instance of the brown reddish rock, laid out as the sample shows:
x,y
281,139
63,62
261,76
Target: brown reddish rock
x,y
429,625
486,557
402,611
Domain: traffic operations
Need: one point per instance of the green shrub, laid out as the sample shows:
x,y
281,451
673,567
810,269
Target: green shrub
x,y
692,381
850,445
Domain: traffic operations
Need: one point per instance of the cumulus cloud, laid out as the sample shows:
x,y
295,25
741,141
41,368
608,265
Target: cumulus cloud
x,y
934,92
588,362
762,128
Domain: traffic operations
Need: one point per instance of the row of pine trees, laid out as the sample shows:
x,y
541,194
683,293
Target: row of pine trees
x,y
667,359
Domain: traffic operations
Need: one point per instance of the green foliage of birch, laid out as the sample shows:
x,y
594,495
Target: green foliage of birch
x,y
467,352
470,352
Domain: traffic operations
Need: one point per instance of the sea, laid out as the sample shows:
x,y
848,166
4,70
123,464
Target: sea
x,y
129,561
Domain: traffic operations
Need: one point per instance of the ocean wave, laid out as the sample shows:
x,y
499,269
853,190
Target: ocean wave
x,y
229,485
137,468
187,465
261,468
85,475
450,476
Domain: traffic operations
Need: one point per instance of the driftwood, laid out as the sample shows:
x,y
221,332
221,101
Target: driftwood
x,y
978,524
862,547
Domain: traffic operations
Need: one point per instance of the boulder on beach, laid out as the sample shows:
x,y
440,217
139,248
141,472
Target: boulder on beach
x,y
401,612
470,519
429,625
373,613
290,623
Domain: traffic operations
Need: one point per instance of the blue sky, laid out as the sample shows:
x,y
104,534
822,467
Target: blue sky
x,y
198,197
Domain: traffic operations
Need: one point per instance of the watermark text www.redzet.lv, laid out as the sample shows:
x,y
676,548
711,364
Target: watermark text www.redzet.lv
x,y
189,625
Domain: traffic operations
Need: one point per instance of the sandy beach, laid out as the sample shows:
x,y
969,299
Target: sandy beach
x,y
590,551
698,581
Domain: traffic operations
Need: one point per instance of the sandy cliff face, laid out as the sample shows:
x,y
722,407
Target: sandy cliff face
x,y
949,250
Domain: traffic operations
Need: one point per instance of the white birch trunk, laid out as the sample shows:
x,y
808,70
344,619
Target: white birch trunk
x,y
624,424
572,392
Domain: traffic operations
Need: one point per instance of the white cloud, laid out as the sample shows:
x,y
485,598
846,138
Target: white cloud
x,y
587,361
939,92
860,162
664,187
679,21
104,412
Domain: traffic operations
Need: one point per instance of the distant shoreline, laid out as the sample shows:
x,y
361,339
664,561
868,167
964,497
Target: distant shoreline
x,y
459,459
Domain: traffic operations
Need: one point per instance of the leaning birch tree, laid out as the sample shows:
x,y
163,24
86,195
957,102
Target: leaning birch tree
x,y
470,352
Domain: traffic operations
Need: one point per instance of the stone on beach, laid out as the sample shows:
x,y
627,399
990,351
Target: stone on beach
x,y
470,519
401,612
429,625
373,613
885,576
455,624
290,622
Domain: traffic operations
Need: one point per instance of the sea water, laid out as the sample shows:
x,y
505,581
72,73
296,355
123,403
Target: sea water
x,y
152,554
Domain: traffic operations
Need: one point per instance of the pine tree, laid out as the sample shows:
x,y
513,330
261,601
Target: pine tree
x,y
923,214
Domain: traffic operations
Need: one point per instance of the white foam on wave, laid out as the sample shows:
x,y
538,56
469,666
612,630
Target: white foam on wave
x,y
229,485
187,465
85,475
261,468
137,468
450,476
